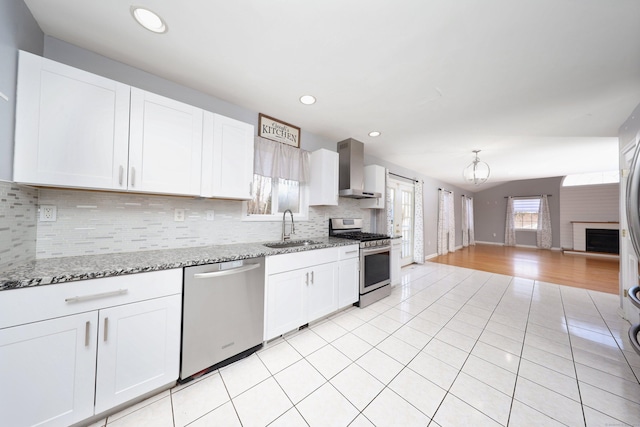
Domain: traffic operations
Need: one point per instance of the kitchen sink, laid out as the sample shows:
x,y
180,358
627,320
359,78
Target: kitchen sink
x,y
290,244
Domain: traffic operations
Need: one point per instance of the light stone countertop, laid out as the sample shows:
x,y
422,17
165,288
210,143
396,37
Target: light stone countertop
x,y
58,270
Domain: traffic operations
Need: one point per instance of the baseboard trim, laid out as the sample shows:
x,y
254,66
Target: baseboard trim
x,y
517,246
591,254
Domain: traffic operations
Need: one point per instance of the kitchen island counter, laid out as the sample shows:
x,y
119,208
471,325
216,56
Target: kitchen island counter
x,y
66,269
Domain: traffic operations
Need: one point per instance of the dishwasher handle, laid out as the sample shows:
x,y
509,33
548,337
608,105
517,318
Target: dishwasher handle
x,y
226,272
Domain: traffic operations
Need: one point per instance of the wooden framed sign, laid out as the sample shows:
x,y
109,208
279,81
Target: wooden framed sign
x,y
279,131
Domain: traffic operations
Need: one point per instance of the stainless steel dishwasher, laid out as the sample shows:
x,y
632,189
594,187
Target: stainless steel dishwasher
x,y
223,314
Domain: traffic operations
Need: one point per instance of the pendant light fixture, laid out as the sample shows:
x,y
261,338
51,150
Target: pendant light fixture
x,y
477,172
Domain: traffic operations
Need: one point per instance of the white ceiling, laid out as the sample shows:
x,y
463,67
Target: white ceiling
x,y
540,86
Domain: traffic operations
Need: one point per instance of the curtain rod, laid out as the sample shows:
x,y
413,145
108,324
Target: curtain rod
x,y
445,190
537,195
405,177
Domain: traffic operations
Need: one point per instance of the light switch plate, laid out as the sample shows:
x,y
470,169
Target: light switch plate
x,y
178,215
210,215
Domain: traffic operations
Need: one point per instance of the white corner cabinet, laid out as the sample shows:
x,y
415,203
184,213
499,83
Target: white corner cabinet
x,y
375,182
227,158
79,130
324,178
73,350
304,286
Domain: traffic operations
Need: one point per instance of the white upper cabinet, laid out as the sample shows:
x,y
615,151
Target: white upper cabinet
x,y
324,178
227,158
374,181
72,127
165,145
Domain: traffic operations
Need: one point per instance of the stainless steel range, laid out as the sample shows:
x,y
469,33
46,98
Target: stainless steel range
x,y
375,258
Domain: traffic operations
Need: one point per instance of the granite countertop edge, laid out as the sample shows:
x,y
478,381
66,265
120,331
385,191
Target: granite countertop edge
x,y
68,269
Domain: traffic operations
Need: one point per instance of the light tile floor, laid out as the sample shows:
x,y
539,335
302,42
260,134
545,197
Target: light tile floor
x,y
449,347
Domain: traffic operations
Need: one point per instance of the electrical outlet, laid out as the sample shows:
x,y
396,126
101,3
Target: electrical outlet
x,y
48,213
210,215
178,215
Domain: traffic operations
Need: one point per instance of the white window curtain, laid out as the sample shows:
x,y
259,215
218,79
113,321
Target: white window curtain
x,y
468,234
543,233
276,160
446,223
418,226
510,226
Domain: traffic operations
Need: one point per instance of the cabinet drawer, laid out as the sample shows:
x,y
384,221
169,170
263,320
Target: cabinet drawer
x,y
288,262
347,252
20,306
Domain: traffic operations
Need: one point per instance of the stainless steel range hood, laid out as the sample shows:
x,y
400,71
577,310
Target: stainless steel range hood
x,y
351,168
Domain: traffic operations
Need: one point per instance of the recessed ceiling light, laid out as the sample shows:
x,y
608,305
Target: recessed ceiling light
x,y
148,19
308,99
374,134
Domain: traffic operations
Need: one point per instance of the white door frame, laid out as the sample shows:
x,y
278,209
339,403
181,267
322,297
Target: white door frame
x,y
398,185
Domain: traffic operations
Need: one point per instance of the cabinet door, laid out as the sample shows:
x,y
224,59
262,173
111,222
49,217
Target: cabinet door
x,y
48,371
322,290
165,145
324,178
138,349
348,281
227,158
285,304
72,127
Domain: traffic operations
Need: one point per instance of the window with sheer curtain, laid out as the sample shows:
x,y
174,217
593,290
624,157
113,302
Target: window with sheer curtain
x,y
279,182
525,213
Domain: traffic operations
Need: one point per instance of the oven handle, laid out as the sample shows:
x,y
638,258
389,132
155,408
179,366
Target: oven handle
x,y
375,250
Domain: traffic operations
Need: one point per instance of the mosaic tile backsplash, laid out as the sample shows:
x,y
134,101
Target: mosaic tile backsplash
x,y
90,223
18,207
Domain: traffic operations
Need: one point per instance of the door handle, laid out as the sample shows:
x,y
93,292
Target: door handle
x,y
95,296
87,331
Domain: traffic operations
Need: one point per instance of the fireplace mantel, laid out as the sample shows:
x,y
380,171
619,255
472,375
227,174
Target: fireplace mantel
x,y
579,231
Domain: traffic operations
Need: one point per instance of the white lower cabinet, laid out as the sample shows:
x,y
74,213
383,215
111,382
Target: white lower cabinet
x,y
349,279
305,286
138,350
82,348
48,370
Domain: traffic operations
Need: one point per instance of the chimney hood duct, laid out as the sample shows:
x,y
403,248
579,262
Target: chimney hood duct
x,y
351,170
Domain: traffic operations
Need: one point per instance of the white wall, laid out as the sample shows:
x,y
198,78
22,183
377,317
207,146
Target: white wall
x,y
592,203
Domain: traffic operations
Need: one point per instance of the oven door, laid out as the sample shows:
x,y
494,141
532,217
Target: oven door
x,y
375,266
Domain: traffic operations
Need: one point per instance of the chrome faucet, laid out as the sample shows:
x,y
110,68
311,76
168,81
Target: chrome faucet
x,y
293,227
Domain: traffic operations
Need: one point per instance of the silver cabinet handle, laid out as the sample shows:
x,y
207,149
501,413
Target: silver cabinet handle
x,y
133,176
87,331
251,188
307,278
312,277
226,272
95,296
120,175
106,328
351,252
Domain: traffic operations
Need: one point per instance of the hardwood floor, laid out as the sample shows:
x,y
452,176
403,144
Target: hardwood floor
x,y
600,274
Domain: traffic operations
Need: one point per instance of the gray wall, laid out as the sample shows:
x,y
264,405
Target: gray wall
x,y
490,210
18,30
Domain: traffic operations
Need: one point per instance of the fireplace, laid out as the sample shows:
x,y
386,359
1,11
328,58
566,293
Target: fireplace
x,y
602,240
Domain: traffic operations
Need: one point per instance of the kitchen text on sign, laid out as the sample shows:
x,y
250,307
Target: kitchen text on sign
x,y
277,130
